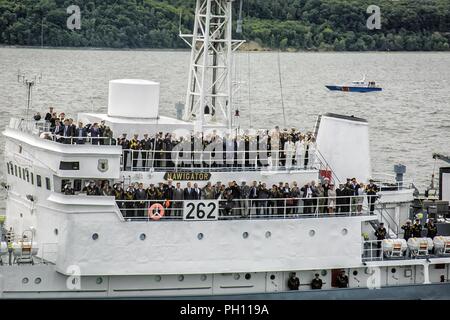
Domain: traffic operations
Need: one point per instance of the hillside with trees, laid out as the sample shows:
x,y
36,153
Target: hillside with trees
x,y
325,25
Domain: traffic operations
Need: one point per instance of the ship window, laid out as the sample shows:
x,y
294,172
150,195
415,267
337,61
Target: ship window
x,y
15,170
32,178
27,175
20,172
38,180
23,173
9,169
47,183
12,168
63,165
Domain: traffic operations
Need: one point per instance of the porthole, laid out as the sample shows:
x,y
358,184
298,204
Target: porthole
x,y
142,236
200,236
25,280
355,273
180,278
344,232
95,236
248,276
393,270
245,235
272,277
312,233
268,234
237,276
203,277
99,280
37,280
324,273
158,278
56,232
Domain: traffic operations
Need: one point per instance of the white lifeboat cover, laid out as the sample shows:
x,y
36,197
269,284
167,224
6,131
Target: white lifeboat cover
x,y
414,243
388,244
440,241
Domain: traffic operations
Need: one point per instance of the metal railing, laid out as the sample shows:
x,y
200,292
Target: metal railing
x,y
271,208
146,160
387,182
373,250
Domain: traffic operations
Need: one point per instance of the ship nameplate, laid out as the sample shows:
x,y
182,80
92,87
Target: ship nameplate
x,y
187,176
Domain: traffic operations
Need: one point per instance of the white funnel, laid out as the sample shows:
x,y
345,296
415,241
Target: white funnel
x,y
343,142
133,99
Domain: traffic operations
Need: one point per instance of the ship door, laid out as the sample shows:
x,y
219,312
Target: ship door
x,y
274,281
334,275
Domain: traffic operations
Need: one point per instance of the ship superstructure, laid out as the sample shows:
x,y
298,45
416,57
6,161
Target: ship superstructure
x,y
97,246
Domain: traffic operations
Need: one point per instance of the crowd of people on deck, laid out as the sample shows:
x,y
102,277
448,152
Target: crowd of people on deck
x,y
64,130
263,148
241,199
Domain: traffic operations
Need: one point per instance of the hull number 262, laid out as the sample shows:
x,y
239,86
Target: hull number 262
x,y
201,210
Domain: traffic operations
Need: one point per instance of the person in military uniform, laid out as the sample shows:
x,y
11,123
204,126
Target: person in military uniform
x,y
293,282
417,229
129,204
431,228
316,283
342,280
135,146
68,191
380,233
153,194
407,230
159,154
372,191
91,189
10,240
119,195
125,143
146,148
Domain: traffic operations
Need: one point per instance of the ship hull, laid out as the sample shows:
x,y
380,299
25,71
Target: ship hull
x,y
435,291
353,89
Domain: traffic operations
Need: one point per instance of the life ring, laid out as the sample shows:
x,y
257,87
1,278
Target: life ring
x,y
156,211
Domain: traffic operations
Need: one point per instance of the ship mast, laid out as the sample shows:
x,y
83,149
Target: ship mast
x,y
209,98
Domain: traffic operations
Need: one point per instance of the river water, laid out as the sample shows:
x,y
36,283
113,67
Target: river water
x,y
409,120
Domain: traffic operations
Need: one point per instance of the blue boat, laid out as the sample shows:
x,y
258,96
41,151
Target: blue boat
x,y
356,86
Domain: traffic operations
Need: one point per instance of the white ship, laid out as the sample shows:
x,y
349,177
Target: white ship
x,y
82,246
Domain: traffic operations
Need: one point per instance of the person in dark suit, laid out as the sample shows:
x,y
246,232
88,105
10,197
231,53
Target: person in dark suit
x,y
80,134
66,132
56,130
189,192
141,195
178,197
197,192
49,114
95,134
253,195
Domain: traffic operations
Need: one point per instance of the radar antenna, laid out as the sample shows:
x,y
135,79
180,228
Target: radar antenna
x,y
29,84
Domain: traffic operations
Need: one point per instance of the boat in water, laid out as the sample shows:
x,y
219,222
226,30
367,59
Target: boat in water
x,y
361,86
63,237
